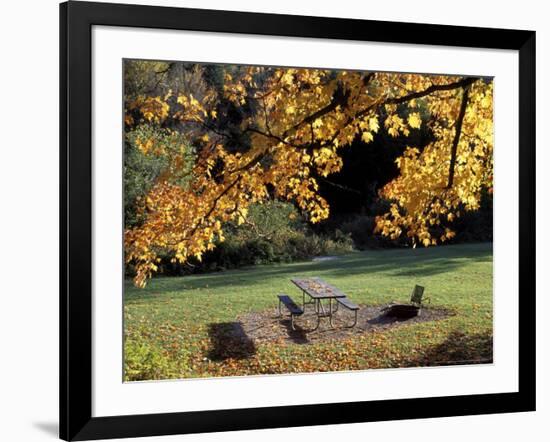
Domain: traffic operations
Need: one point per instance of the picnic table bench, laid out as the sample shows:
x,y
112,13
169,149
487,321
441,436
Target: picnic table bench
x,y
348,304
291,306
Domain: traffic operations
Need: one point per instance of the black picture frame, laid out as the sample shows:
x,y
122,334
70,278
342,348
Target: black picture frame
x,y
76,21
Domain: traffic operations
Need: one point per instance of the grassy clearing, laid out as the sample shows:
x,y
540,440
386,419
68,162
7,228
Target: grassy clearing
x,y
169,324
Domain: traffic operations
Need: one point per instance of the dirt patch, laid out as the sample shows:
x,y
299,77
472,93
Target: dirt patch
x,y
267,326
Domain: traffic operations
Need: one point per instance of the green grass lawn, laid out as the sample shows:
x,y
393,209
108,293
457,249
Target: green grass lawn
x,y
167,324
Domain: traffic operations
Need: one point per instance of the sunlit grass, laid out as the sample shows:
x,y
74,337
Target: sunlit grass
x,y
167,323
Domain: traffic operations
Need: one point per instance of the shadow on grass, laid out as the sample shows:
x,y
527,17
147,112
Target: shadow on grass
x,y
229,341
383,319
396,262
457,349
297,336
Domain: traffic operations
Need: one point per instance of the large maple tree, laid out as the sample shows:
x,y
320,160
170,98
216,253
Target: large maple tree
x,y
292,125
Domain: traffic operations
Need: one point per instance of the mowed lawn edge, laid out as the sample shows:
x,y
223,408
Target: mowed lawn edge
x,y
169,325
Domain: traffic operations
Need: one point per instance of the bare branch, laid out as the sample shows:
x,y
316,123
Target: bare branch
x,y
434,88
458,130
339,98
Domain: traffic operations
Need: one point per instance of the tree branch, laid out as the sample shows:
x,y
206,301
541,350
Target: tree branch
x,y
458,130
215,203
465,82
339,186
340,98
435,88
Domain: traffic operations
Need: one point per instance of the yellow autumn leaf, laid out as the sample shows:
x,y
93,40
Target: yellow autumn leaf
x,y
414,120
393,132
373,124
367,137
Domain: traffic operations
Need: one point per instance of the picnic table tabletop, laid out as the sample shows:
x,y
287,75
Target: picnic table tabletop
x,y
317,288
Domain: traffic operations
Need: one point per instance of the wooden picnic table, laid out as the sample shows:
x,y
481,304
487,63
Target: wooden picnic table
x,y
318,290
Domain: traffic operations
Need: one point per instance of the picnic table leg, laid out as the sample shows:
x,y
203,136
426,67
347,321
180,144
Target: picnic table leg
x,y
330,312
316,302
321,308
318,322
354,321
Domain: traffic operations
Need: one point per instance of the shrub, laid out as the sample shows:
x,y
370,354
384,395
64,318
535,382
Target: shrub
x,y
144,362
232,254
304,246
274,232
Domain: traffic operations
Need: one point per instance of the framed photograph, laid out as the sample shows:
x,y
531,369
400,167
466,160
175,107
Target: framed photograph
x,y
273,220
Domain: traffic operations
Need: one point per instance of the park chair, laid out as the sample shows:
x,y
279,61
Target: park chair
x,y
407,310
416,295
